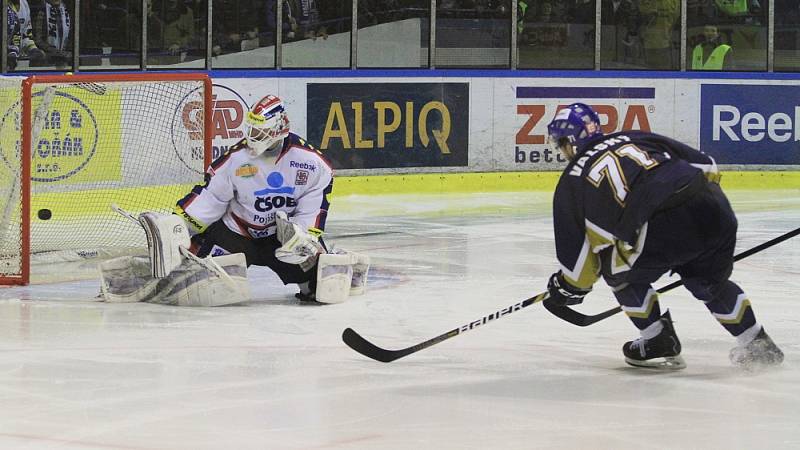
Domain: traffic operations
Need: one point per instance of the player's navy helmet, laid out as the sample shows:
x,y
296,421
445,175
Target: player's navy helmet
x,y
572,126
267,124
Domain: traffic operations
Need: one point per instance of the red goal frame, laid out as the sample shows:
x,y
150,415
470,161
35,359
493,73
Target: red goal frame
x,y
26,123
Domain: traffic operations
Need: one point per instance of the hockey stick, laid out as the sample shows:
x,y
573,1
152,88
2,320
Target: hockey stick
x,y
370,350
582,320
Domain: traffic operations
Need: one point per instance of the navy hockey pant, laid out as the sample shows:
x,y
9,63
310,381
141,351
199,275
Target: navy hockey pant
x,y
696,240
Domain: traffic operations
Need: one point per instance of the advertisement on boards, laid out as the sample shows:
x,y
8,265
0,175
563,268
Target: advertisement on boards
x,y
390,125
228,113
620,108
750,124
75,125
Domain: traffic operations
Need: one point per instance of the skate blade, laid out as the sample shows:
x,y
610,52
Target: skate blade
x,y
751,365
665,363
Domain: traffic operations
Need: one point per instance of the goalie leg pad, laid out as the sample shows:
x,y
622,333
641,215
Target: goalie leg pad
x,y
165,234
193,284
358,285
334,277
128,279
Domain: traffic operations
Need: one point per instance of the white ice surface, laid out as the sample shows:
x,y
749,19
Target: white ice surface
x,y
274,374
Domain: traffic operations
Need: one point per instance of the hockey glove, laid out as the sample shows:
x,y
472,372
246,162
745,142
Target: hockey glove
x,y
562,293
299,247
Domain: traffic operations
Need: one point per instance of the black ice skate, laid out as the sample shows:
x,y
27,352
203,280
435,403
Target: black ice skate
x,y
306,293
760,352
661,352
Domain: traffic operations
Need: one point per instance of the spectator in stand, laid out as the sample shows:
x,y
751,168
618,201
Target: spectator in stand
x,y
659,28
52,25
235,26
737,11
13,39
701,11
582,13
621,18
155,29
712,53
289,25
179,32
335,17
522,13
547,13
308,21
27,44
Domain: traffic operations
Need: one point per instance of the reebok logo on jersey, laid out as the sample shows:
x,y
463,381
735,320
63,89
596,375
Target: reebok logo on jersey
x,y
302,165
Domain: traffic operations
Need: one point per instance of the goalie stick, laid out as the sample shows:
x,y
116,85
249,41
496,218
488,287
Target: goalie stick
x,y
582,320
370,350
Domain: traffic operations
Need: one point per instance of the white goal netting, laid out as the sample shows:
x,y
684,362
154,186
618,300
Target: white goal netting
x,y
139,144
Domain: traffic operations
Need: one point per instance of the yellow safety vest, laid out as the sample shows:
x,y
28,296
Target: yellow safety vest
x,y
523,9
732,8
715,61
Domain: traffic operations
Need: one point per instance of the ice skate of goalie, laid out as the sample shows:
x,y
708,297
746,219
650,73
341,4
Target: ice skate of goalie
x,y
172,275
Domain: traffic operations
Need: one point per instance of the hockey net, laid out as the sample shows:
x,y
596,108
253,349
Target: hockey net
x,y
72,145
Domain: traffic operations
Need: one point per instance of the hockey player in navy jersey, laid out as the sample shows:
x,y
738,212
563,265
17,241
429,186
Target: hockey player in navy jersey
x,y
632,206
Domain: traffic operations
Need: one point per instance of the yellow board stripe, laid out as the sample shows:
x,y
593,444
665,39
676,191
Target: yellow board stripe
x,y
439,183
72,204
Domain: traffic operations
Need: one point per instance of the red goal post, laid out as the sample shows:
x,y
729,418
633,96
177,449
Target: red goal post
x,y
70,145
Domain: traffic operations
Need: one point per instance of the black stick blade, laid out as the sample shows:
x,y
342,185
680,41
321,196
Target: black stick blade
x,y
576,318
370,350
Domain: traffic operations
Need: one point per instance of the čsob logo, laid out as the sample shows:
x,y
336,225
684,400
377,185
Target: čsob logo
x,y
750,124
275,181
266,198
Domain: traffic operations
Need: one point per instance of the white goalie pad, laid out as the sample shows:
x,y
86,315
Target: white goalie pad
x,y
128,279
341,275
358,285
334,276
166,234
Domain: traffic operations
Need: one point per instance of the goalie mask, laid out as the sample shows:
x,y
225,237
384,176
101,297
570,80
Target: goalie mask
x,y
267,125
572,127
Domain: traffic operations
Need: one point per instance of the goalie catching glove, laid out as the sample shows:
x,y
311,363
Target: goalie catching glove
x,y
299,247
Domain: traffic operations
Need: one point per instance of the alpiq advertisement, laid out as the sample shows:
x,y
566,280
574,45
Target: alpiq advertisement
x,y
390,125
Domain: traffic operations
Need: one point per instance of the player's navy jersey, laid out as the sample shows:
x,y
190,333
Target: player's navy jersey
x,y
246,192
608,192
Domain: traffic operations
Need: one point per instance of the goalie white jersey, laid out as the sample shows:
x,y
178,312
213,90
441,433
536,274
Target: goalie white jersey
x,y
246,192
